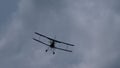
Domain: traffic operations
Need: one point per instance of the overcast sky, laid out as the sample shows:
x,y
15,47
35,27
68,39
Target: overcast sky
x,y
92,25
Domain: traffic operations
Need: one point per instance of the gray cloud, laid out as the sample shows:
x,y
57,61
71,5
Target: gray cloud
x,y
101,29
93,25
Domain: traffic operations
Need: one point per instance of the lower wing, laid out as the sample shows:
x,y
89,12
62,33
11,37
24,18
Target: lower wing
x,y
49,45
40,42
63,49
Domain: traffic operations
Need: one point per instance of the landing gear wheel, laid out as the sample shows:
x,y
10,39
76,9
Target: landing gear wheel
x,y
46,50
53,53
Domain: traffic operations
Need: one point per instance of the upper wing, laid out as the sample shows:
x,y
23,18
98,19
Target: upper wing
x,y
54,39
63,49
40,42
43,36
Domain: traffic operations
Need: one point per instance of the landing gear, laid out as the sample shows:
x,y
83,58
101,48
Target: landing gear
x,y
46,50
52,49
53,53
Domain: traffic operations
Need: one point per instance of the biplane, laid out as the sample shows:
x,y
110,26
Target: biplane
x,y
52,46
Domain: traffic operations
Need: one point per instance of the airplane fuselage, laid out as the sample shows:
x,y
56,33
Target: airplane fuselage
x,y
52,45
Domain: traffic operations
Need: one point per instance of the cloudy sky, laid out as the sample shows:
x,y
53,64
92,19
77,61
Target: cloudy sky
x,y
92,25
